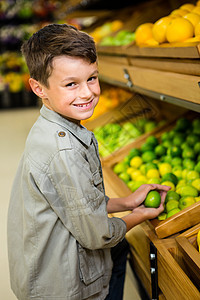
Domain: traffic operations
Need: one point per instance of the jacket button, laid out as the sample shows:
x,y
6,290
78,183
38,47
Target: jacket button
x,y
61,133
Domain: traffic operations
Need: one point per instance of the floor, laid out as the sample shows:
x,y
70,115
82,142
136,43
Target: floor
x,y
14,127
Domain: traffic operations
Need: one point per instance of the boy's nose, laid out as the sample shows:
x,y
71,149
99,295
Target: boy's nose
x,y
85,92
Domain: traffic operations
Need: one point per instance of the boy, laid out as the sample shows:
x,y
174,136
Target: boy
x,y
59,234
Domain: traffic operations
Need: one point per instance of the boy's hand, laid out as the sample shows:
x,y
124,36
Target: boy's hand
x,y
137,198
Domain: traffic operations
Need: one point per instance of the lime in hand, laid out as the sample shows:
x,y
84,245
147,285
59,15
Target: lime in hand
x,y
153,199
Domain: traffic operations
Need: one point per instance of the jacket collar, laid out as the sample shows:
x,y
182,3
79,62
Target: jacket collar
x,y
79,131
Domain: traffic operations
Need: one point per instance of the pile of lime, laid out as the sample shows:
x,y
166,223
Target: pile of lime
x,y
113,136
173,159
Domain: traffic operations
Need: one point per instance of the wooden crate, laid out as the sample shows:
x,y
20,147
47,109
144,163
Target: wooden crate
x,y
190,256
182,220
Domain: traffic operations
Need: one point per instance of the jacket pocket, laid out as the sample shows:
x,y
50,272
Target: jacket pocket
x,y
91,264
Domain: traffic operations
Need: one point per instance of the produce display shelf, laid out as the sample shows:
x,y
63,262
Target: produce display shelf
x,y
184,219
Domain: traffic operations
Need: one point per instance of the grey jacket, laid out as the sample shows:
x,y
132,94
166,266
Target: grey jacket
x,y
59,234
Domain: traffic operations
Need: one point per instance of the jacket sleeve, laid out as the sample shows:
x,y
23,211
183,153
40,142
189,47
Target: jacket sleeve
x,y
77,197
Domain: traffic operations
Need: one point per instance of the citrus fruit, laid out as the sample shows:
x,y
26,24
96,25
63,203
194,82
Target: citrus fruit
x,y
197,148
176,161
169,183
162,216
196,183
141,178
151,165
178,30
173,212
153,173
170,177
197,199
174,151
153,199
171,204
172,195
167,143
124,176
186,201
197,29
154,181
193,18
134,185
160,150
179,12
135,174
182,124
147,147
120,167
188,163
142,169
149,126
192,139
164,136
187,190
148,156
133,152
178,140
152,140
143,33
187,6
130,170
192,175
136,162
196,10
197,167
164,168
159,29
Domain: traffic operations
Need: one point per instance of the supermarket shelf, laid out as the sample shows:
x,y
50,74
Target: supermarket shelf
x,y
162,97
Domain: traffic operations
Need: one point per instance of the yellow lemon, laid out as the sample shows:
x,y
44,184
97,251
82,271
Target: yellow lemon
x,y
135,174
196,183
165,168
141,178
143,33
153,173
187,6
171,204
178,30
196,10
154,181
193,39
197,199
130,170
159,29
136,162
193,18
169,183
197,29
186,202
179,12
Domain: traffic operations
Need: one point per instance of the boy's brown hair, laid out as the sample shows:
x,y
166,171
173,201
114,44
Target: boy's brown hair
x,y
55,40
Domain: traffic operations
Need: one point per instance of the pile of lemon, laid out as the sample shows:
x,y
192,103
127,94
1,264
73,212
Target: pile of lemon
x,y
173,159
182,25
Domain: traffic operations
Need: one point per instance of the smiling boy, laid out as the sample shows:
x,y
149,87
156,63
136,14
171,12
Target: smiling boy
x,y
59,232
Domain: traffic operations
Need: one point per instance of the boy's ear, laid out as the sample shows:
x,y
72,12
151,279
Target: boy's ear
x,y
36,88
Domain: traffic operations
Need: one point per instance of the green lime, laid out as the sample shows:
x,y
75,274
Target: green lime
x,y
160,150
149,126
174,151
151,165
147,147
188,153
134,185
172,195
170,177
182,124
153,180
167,143
186,201
176,161
166,158
197,148
188,164
164,136
162,216
172,134
134,152
124,176
148,156
152,140
178,140
187,190
171,204
120,167
192,139
197,167
196,123
153,199
172,212
196,183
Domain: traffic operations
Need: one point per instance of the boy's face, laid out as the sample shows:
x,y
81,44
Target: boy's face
x,y
74,89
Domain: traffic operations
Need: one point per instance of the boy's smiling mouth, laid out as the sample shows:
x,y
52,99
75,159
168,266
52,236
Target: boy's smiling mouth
x,y
84,105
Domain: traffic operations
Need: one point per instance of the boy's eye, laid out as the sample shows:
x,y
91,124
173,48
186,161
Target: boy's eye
x,y
92,78
71,84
